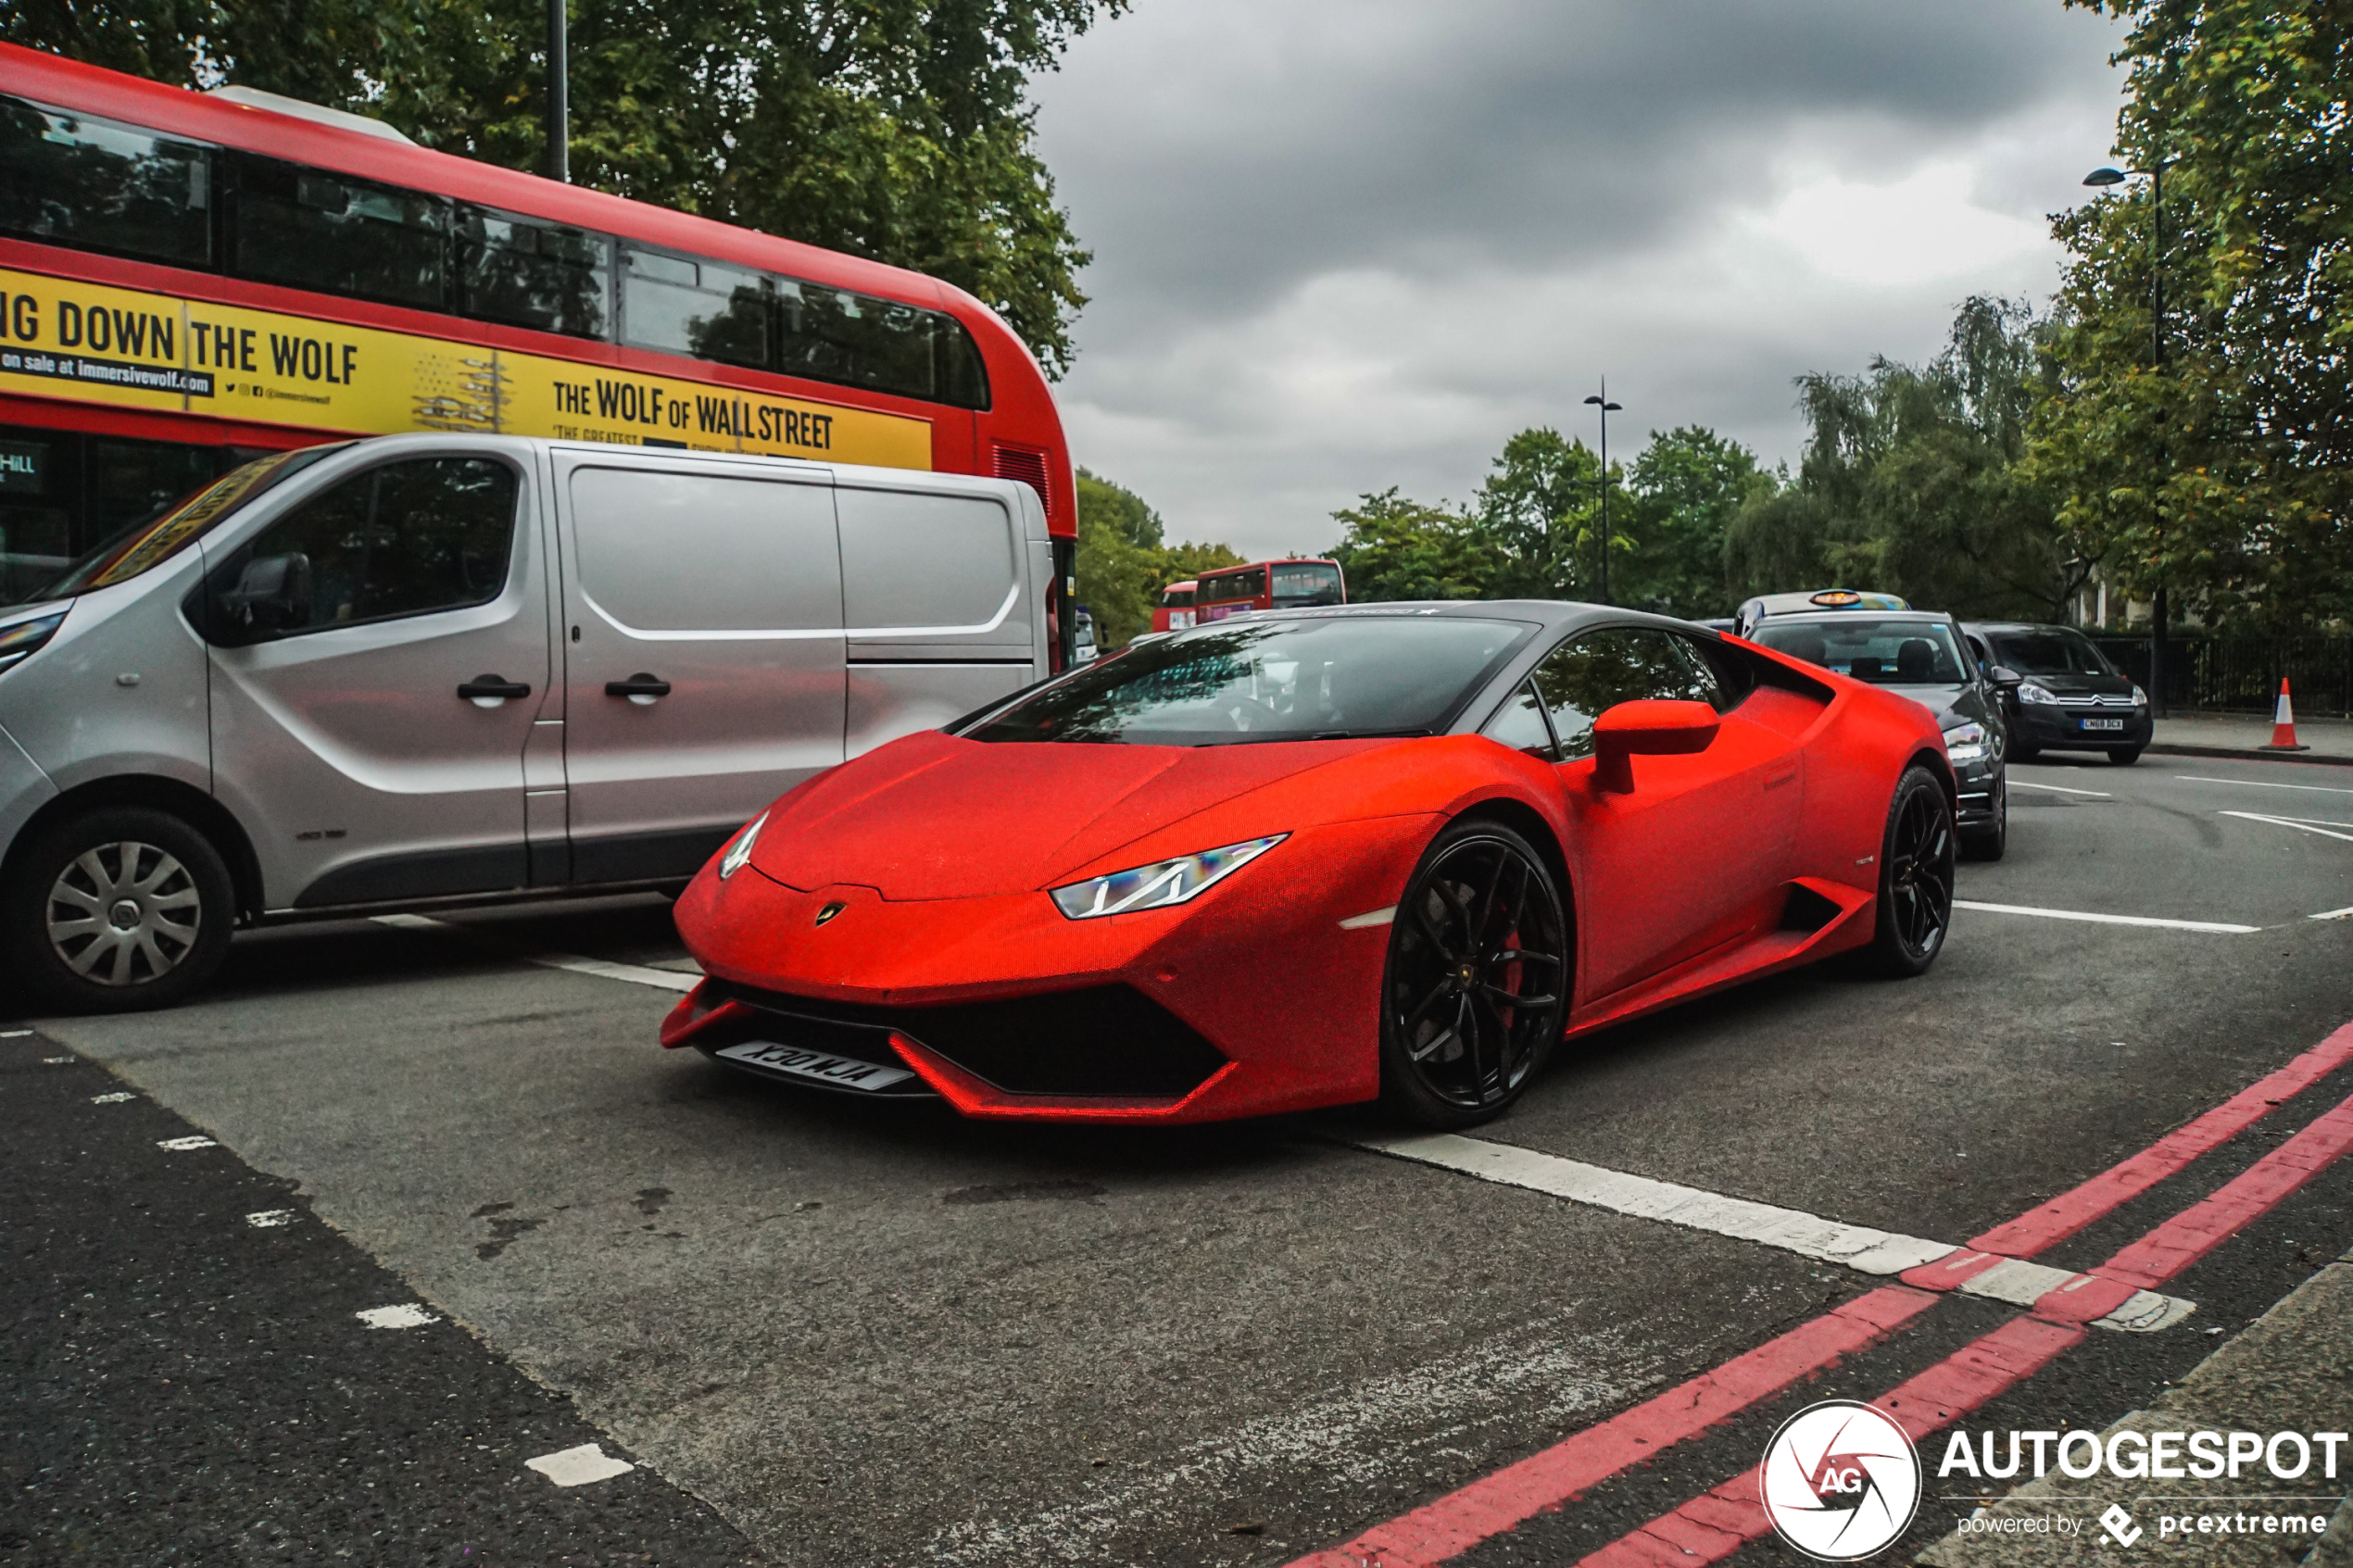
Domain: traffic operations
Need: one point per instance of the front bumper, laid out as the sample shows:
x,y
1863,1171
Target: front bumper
x,y
2061,728
1250,1000
1978,797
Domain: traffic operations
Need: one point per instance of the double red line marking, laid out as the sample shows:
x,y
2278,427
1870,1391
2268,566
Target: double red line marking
x,y
1718,1522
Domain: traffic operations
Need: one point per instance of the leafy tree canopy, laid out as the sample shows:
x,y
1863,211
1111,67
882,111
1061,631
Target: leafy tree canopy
x,y
899,130
1396,548
1123,564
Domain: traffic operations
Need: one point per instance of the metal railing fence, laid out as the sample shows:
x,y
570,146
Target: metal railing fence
x,y
2242,674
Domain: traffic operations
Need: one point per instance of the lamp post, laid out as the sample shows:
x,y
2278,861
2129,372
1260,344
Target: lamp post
x,y
2100,179
558,95
1607,408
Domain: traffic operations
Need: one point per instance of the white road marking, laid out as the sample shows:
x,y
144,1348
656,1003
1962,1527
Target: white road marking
x,y
604,969
270,1219
180,1146
2263,783
577,1467
2300,824
56,1060
1860,1247
2017,783
14,1034
1365,921
406,1315
2214,926
115,1099
2344,913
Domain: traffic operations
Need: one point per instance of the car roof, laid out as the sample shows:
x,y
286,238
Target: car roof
x,y
2016,626
1809,600
1831,613
1550,614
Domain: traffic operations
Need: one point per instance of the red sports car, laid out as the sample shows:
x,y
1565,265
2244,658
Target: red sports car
x,y
1315,856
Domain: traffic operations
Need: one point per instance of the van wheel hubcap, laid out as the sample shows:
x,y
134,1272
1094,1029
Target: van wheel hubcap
x,y
125,914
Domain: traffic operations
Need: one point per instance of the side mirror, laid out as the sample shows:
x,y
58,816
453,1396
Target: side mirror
x,y
2003,676
273,592
1648,729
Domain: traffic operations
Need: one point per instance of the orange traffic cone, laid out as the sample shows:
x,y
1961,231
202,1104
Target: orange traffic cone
x,y
2284,723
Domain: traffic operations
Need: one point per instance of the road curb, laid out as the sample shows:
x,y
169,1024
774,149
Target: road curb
x,y
2244,753
2254,1380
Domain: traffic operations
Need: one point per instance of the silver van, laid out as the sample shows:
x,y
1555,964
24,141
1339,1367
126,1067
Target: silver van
x,y
424,670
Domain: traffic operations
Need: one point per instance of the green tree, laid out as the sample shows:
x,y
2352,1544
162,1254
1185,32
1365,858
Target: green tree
x,y
2209,450
899,130
1911,482
1686,487
1539,515
1121,508
1396,548
1122,565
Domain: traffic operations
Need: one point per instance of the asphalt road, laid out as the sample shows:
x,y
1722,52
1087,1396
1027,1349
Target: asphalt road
x,y
877,1335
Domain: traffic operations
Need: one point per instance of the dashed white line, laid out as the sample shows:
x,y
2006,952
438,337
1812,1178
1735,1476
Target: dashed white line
x,y
2302,825
406,1315
56,1061
2209,926
2062,789
270,1219
1860,1247
603,969
577,1467
2263,783
115,1099
14,1034
181,1146
2344,913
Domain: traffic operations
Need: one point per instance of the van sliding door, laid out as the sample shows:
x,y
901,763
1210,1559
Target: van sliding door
x,y
702,647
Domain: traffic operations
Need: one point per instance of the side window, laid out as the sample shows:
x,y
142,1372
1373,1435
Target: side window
x,y
698,307
76,180
1726,677
1583,679
433,533
1519,725
310,229
528,274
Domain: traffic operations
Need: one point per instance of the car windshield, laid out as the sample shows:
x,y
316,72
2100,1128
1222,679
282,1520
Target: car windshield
x,y
157,538
1300,583
1890,653
2054,651
1320,678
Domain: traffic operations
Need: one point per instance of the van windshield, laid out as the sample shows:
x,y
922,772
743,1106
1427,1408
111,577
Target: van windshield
x,y
154,540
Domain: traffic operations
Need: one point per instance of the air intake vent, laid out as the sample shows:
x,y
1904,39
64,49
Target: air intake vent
x,y
1020,462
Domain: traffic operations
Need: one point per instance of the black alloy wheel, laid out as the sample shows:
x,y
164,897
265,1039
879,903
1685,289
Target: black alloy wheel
x,y
1478,979
1916,875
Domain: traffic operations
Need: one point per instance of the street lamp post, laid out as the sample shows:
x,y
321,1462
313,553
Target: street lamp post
x,y
2100,179
558,93
1607,408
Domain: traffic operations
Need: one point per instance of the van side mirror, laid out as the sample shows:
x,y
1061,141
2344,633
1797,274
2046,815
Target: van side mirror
x,y
1648,728
2004,676
273,592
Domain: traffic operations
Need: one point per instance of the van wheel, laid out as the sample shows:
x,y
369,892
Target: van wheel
x,y
117,910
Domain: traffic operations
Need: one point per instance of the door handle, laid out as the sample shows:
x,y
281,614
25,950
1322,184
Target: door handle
x,y
640,688
489,691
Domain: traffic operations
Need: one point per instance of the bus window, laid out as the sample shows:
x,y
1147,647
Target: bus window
x,y
1177,598
1247,583
88,182
530,273
854,340
312,231
1306,582
698,307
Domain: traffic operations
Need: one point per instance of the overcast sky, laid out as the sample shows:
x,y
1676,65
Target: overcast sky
x,y
1341,245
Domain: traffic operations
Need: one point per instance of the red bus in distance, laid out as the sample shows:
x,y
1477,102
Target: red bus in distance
x,y
189,279
1267,584
1175,610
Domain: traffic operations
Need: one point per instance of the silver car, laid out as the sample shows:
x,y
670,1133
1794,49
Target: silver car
x,y
427,669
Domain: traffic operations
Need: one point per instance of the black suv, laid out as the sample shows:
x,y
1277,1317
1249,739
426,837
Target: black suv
x,y
2068,697
1921,654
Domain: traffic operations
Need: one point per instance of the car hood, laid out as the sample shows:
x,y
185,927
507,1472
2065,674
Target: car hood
x,y
1953,706
933,816
2085,685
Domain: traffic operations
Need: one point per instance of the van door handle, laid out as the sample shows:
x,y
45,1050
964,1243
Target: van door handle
x,y
489,691
640,688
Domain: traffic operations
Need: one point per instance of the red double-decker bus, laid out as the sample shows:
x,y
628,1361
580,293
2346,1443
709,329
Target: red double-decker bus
x,y
187,279
1266,585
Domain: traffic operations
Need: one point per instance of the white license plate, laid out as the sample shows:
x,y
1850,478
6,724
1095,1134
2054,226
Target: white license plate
x,y
2102,724
823,1067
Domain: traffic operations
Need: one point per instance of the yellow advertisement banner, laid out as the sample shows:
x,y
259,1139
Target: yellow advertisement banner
x,y
128,348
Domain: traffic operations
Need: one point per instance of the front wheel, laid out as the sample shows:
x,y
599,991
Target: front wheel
x,y
116,910
1478,978
2124,756
1915,876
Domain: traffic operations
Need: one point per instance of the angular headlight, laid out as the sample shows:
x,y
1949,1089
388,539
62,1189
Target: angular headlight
x,y
17,642
2029,692
2140,697
740,850
1964,743
1161,883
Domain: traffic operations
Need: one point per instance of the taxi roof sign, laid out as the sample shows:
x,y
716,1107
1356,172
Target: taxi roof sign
x,y
1838,596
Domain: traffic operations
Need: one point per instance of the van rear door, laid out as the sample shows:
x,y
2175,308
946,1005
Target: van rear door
x,y
943,589
702,647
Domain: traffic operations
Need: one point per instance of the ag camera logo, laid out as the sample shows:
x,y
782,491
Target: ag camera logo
x,y
1841,1481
